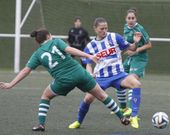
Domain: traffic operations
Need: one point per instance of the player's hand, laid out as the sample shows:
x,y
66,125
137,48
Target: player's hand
x,y
94,58
4,85
130,53
137,37
93,75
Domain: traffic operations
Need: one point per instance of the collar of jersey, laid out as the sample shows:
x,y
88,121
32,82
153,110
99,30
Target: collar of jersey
x,y
45,42
133,26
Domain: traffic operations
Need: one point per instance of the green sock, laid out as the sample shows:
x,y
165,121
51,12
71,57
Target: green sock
x,y
43,110
111,104
121,96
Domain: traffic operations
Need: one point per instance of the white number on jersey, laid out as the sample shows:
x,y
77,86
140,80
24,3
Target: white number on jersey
x,y
54,50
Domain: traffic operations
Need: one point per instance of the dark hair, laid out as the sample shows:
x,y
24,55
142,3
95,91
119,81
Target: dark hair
x,y
77,18
99,20
40,35
132,10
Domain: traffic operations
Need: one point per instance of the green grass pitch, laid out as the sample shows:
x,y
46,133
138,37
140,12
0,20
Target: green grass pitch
x,y
18,112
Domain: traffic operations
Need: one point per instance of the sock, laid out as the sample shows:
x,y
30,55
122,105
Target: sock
x,y
129,98
111,104
84,108
136,96
43,109
121,96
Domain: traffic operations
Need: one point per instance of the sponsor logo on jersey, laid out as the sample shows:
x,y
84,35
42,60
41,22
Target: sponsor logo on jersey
x,y
106,53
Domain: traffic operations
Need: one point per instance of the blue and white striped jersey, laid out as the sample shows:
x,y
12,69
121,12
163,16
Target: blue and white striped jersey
x,y
108,50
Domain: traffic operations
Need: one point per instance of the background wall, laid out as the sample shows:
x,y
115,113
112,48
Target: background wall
x,y
58,15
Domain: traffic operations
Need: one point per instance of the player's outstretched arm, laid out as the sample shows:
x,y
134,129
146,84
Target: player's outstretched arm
x,y
79,53
20,76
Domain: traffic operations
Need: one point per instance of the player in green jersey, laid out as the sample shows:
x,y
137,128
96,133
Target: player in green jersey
x,y
55,56
136,61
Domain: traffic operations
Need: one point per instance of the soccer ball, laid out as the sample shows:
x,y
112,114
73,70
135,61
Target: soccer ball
x,y
160,120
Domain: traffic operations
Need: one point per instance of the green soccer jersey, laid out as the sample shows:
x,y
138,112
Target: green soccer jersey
x,y
52,56
128,35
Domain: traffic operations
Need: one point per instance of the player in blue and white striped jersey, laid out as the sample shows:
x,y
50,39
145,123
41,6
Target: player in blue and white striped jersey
x,y
108,50
109,71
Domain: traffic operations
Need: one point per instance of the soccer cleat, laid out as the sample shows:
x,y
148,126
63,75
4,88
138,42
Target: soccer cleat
x,y
39,128
126,111
74,125
125,120
134,122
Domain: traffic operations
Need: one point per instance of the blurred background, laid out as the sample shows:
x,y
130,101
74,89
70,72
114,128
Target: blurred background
x,y
58,17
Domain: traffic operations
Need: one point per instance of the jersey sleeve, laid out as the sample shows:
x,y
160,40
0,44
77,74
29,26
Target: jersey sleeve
x,y
33,62
123,44
86,60
125,33
61,44
145,35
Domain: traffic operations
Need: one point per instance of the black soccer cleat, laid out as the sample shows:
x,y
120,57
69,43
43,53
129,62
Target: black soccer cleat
x,y
125,120
39,128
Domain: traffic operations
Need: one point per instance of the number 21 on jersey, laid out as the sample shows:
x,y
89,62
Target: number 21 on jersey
x,y
48,55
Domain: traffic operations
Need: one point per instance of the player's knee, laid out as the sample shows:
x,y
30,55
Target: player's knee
x,y
89,99
136,84
47,94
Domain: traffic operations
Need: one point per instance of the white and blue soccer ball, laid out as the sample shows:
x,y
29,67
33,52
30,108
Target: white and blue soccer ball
x,y
160,120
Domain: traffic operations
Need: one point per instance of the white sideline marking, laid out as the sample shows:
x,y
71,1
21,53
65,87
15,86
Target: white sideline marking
x,y
26,88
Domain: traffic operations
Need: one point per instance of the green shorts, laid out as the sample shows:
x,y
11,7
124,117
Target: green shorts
x,y
135,66
80,78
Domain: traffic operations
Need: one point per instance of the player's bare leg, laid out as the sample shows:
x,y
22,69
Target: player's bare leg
x,y
103,97
43,108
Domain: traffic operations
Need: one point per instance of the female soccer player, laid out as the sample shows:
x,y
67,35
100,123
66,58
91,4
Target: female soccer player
x,y
67,74
136,61
109,72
